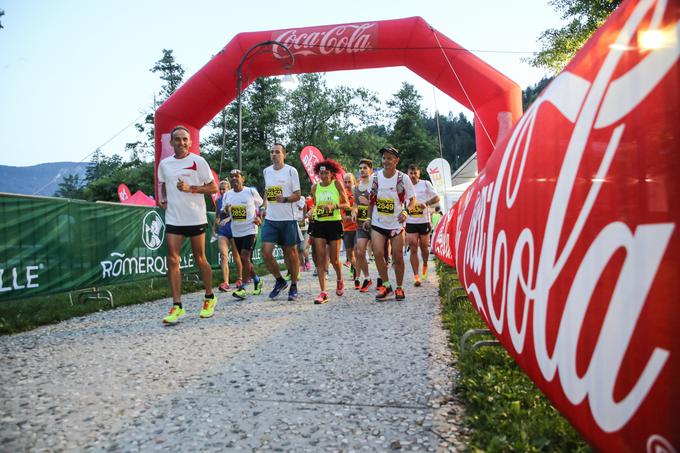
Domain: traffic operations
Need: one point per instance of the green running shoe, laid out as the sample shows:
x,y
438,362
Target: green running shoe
x,y
240,293
175,313
258,288
208,307
287,277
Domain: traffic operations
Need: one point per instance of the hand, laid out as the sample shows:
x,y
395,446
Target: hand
x,y
402,217
354,217
163,204
257,221
183,186
363,200
280,199
367,225
422,206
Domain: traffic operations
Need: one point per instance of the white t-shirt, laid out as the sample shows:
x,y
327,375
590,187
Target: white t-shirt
x,y
243,209
184,208
424,193
388,207
280,182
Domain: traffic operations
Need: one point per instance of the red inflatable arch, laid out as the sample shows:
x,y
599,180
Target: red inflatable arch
x,y
495,100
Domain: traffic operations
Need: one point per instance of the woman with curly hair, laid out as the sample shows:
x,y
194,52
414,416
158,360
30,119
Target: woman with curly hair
x,y
329,199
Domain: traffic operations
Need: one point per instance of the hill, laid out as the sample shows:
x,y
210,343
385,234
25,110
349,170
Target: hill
x,y
41,179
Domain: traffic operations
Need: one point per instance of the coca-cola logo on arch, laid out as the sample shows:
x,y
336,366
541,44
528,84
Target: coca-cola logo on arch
x,y
349,38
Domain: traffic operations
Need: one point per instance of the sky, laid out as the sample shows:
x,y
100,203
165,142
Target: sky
x,y
74,74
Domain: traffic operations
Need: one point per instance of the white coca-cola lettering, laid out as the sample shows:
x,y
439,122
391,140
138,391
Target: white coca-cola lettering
x,y
341,38
499,259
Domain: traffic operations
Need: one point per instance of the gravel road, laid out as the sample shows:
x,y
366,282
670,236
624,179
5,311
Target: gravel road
x,y
260,375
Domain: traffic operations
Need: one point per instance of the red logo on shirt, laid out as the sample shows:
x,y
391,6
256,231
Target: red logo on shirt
x,y
193,167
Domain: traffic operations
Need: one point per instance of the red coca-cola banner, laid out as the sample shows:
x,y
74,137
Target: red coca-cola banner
x,y
568,242
123,192
310,156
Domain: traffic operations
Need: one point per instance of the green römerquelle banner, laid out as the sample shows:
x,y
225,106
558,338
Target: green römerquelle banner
x,y
55,245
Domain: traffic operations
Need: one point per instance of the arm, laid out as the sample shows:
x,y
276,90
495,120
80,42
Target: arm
x,y
163,196
344,203
290,198
432,201
208,188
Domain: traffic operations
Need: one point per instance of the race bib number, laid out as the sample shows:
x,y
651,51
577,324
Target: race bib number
x,y
273,192
323,213
362,213
238,213
385,206
417,211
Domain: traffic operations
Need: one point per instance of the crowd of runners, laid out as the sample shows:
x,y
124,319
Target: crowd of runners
x,y
378,214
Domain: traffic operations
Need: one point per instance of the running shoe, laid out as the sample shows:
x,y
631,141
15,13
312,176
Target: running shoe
x,y
399,293
208,307
347,264
367,284
240,293
258,288
424,272
224,287
287,277
384,292
357,284
352,273
379,282
292,293
340,289
321,298
279,286
308,266
416,281
176,312
315,273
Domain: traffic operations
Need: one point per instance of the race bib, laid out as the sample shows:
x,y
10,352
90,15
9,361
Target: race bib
x,y
417,211
362,213
273,192
385,206
322,213
238,212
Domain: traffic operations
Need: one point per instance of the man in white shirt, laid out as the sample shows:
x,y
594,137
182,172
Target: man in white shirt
x,y
184,179
282,191
391,194
418,224
242,204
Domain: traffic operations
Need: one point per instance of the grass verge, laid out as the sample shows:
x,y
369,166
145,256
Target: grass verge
x,y
505,411
22,315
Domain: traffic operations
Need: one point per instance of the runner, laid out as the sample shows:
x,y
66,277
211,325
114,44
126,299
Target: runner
x,y
349,228
391,192
282,186
303,223
418,226
362,192
184,179
242,204
329,199
225,239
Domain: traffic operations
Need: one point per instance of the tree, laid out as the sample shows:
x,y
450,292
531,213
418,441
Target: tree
x,y
70,187
560,44
172,74
409,134
530,93
326,117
